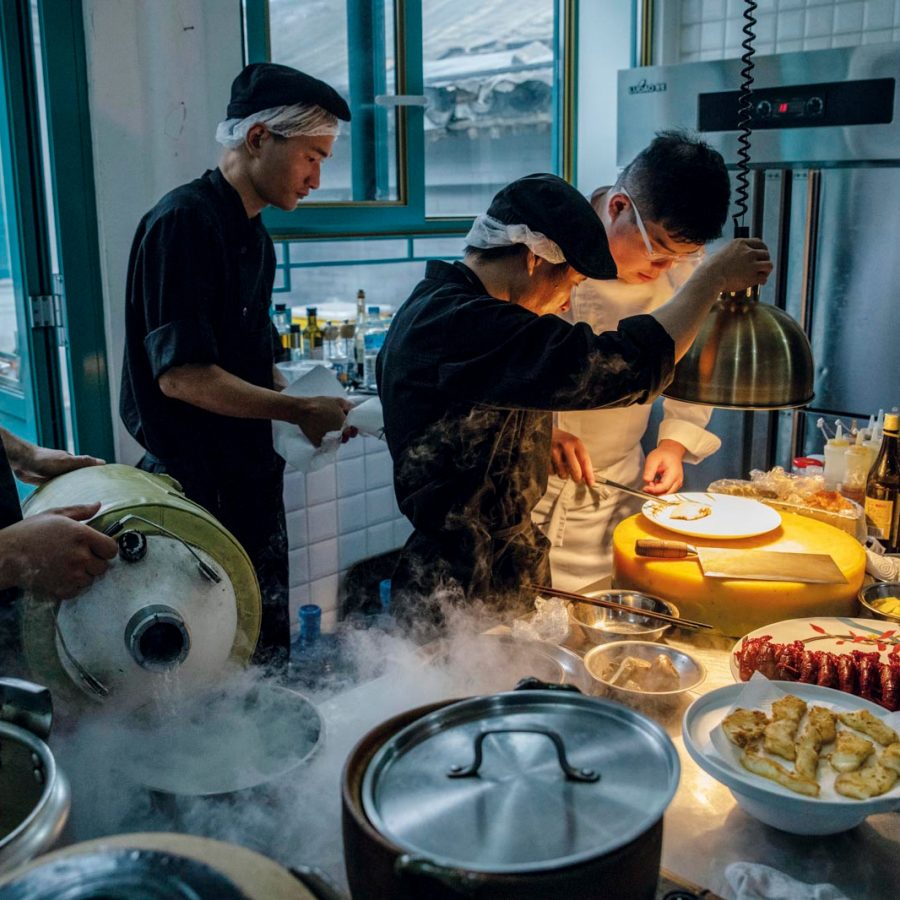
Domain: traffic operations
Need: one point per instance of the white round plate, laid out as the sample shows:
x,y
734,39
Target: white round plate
x,y
731,517
835,634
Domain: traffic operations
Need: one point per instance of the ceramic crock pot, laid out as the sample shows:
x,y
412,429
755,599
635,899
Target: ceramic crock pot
x,y
528,794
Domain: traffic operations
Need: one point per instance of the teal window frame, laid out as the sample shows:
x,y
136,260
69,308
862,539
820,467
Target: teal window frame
x,y
405,216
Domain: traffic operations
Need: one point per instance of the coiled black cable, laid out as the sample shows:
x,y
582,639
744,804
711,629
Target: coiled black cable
x,y
745,114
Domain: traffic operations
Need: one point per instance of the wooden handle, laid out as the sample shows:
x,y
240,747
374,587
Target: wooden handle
x,y
662,549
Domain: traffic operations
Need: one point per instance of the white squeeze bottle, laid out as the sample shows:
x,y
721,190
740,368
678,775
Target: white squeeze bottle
x,y
835,448
856,469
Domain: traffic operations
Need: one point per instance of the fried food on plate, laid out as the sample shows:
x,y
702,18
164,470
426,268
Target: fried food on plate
x,y
768,768
807,756
872,781
789,707
890,759
779,738
850,752
824,720
688,511
745,726
862,720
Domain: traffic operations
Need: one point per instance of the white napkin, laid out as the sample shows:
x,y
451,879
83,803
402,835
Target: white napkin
x,y
296,448
754,881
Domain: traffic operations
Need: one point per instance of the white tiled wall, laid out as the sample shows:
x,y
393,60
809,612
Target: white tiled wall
x,y
711,29
337,516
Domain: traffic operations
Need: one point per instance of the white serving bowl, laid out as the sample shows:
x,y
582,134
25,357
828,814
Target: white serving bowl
x,y
763,799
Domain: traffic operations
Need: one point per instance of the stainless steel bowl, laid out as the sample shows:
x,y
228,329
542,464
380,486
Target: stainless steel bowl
x,y
872,593
601,626
598,660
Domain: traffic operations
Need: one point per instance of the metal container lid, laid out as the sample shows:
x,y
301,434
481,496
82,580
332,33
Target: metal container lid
x,y
520,782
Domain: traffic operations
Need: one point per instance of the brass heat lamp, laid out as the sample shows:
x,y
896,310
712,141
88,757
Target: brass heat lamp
x,y
748,355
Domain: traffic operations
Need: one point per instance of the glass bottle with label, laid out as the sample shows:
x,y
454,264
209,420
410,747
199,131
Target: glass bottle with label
x,y
295,343
359,350
883,488
313,337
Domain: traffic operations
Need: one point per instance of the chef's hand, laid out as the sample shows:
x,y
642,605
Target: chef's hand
x,y
54,553
35,465
570,457
738,265
664,468
316,416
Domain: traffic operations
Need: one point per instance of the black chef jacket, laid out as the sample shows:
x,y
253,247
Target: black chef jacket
x,y
468,384
199,286
200,279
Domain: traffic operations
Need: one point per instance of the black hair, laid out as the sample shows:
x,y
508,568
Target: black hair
x,y
492,254
681,183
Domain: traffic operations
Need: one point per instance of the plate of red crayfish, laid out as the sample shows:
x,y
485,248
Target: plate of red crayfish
x,y
859,656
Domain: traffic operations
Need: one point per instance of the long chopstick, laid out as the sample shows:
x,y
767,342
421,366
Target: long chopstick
x,y
609,604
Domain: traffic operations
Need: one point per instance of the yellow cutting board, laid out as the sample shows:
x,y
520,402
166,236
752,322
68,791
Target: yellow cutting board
x,y
734,606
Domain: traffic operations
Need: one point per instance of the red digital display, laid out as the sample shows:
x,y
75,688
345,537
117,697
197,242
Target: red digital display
x,y
782,107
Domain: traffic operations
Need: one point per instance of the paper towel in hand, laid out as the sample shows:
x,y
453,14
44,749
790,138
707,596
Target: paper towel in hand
x,y
296,448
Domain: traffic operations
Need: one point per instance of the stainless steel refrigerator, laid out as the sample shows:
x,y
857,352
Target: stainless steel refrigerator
x,y
825,196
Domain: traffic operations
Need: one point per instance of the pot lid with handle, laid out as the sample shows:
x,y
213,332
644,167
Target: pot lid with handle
x,y
519,782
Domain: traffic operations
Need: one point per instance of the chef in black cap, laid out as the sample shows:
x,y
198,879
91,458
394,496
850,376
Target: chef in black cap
x,y
199,385
475,362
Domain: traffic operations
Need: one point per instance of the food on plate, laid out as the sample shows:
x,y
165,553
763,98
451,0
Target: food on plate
x,y
745,726
831,501
891,758
823,719
889,605
768,768
856,672
635,674
789,707
688,511
873,781
807,752
779,738
862,720
850,752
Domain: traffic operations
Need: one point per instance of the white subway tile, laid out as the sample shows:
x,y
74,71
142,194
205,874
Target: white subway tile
x,y
879,14
324,592
402,530
691,11
353,448
379,470
762,6
764,48
846,40
713,9
330,619
848,16
323,522
790,25
765,30
352,513
351,476
298,566
297,597
791,46
877,37
323,559
690,39
379,505
320,485
791,4
351,549
296,528
712,36
817,22
380,538
294,490
817,43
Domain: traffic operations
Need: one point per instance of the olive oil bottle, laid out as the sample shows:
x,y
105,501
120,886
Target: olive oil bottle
x,y
313,336
883,488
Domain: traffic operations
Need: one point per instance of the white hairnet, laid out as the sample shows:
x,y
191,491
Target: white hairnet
x,y
487,232
287,121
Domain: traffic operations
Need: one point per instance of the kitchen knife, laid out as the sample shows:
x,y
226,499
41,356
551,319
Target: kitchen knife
x,y
758,565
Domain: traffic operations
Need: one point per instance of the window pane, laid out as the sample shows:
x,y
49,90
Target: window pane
x,y
314,38
489,79
9,328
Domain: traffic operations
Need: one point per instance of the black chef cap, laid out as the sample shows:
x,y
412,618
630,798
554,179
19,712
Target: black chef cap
x,y
547,204
266,85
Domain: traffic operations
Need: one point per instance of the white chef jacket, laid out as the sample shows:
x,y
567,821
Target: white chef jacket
x,y
578,520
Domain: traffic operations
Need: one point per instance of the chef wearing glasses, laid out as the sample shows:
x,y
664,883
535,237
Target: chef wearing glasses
x,y
666,205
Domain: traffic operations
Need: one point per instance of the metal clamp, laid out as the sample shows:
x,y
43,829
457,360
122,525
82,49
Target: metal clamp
x,y
571,773
206,570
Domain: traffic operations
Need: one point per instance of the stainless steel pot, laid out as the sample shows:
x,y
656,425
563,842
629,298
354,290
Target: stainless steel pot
x,y
34,793
528,795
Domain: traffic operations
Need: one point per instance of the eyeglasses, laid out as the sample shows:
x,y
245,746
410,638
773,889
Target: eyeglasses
x,y
658,255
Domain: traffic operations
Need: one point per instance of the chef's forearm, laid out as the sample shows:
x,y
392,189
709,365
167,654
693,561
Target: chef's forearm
x,y
683,315
211,388
18,452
